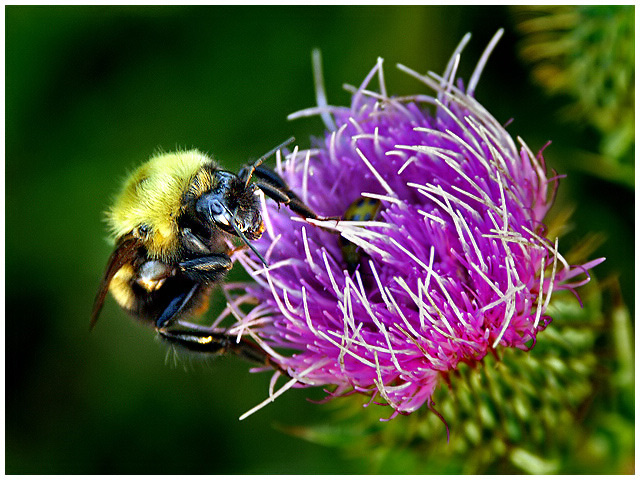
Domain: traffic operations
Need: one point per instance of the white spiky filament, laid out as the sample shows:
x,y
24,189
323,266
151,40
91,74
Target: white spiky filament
x,y
455,265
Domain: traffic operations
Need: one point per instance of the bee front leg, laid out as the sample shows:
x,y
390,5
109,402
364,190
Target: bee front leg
x,y
276,188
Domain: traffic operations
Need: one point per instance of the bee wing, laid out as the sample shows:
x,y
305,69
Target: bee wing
x,y
125,252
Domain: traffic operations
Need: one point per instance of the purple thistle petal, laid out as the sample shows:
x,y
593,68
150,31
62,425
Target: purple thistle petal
x,y
455,264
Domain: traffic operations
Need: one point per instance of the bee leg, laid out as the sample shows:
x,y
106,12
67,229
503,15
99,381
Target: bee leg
x,y
276,188
197,338
175,307
201,270
210,268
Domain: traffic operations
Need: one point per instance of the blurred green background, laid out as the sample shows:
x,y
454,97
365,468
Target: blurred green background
x,y
91,92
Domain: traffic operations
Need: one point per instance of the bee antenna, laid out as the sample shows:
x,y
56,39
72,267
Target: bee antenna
x,y
246,241
259,161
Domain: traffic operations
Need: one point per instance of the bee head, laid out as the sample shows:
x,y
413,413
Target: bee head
x,y
232,206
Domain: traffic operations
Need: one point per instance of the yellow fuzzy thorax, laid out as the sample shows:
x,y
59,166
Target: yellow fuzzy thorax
x,y
152,196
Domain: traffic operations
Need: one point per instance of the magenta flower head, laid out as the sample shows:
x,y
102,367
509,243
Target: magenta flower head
x,y
431,250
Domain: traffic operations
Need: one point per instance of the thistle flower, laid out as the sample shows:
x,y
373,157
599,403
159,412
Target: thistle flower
x,y
453,266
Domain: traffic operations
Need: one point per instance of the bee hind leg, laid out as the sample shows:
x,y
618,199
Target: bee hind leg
x,y
197,338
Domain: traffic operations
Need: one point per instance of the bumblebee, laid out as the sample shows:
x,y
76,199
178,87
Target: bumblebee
x,y
172,223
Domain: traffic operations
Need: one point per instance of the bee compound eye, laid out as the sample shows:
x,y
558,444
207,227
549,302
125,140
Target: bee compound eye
x,y
213,210
210,205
